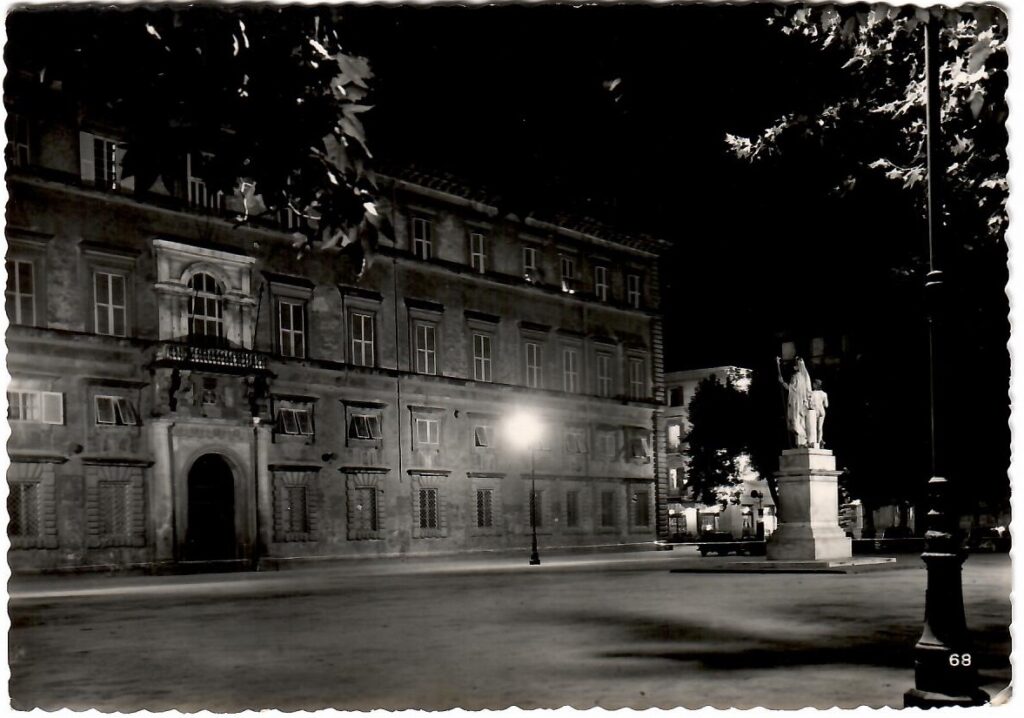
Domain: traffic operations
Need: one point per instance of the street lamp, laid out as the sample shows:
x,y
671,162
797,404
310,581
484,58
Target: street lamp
x,y
524,430
945,673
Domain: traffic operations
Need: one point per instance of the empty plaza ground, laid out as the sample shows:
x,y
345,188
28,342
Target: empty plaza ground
x,y
609,631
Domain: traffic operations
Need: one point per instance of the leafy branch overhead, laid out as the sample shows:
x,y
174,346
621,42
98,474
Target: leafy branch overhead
x,y
882,47
268,97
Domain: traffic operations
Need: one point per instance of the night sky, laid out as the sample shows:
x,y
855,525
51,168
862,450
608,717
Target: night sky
x,y
517,99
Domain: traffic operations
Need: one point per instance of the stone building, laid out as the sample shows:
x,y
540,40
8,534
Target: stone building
x,y
184,389
750,510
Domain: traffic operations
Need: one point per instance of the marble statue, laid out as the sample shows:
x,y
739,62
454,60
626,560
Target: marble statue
x,y
798,403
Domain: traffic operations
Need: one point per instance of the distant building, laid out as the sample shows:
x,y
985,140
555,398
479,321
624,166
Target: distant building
x,y
749,510
187,390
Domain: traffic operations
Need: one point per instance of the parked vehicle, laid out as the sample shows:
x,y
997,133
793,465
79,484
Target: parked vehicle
x,y
723,543
988,540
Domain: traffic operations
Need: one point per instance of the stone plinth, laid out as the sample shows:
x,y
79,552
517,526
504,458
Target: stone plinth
x,y
808,509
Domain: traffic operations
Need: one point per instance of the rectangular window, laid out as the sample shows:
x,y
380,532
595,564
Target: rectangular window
x,y
674,436
115,411
640,447
428,509
570,371
291,318
601,283
604,375
365,426
568,265
534,373
365,514
607,508
199,194
40,407
530,262
296,510
110,303
485,508
481,357
641,508
478,252
575,441
114,507
818,347
23,510
21,300
422,241
362,339
637,384
572,509
19,154
295,421
483,436
633,290
428,431
607,444
105,157
426,348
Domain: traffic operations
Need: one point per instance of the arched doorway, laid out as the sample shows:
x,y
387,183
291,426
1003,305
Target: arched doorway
x,y
211,510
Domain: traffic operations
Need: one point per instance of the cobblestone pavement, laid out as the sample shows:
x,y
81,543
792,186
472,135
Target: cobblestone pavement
x,y
608,631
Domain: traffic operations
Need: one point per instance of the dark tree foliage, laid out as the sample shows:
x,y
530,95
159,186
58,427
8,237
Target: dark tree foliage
x,y
720,433
268,91
864,267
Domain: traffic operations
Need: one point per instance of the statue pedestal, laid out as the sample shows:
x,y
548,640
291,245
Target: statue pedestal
x,y
809,509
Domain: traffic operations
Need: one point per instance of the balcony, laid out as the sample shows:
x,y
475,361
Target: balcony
x,y
216,358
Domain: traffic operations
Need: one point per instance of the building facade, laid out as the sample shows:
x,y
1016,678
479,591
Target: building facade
x,y
184,389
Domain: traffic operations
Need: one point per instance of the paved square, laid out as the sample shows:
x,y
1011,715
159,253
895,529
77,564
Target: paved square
x,y
608,631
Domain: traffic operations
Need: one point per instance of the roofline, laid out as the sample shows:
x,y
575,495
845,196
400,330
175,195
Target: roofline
x,y
649,246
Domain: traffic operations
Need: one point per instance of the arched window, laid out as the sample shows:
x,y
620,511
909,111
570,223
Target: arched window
x,y
205,307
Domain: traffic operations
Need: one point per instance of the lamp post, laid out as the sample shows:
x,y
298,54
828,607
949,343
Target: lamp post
x,y
945,672
534,555
759,519
524,430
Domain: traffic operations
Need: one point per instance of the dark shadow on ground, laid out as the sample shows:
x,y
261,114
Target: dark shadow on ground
x,y
721,647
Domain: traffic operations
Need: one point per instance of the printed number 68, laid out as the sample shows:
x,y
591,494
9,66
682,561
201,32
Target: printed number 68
x,y
959,659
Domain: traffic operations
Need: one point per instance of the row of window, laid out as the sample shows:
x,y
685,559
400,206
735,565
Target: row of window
x,y
292,337
116,504
296,419
114,499
206,318
109,292
47,407
430,509
101,160
429,501
479,260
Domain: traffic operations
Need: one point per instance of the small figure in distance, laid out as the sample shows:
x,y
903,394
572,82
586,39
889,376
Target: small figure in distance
x,y
819,402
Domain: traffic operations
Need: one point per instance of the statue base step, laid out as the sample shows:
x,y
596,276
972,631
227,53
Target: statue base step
x,y
807,542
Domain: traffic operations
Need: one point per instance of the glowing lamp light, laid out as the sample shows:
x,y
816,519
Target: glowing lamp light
x,y
523,429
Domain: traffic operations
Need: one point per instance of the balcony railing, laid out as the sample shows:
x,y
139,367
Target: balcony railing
x,y
220,357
